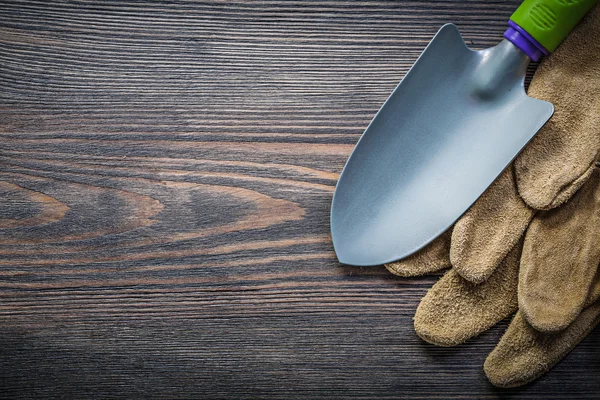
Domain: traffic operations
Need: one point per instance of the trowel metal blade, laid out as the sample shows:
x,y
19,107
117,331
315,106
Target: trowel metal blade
x,y
452,125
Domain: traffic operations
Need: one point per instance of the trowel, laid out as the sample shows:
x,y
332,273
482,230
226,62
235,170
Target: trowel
x,y
454,123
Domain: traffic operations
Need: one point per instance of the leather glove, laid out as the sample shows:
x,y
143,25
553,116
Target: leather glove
x,y
558,256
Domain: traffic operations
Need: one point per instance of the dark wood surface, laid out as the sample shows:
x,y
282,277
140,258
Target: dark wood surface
x,y
166,171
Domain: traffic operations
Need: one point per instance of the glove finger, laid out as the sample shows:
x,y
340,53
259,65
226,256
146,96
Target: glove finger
x,y
485,234
433,257
560,259
558,159
455,309
524,354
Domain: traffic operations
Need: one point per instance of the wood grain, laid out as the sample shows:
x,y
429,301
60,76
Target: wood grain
x,y
166,171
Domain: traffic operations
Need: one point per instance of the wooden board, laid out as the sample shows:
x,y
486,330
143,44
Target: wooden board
x,y
166,171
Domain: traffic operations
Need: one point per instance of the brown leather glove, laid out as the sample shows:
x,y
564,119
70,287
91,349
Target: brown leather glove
x,y
549,272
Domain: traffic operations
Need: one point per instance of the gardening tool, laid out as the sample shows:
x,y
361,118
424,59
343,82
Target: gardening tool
x,y
453,124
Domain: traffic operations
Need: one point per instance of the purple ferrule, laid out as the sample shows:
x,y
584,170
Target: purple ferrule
x,y
524,41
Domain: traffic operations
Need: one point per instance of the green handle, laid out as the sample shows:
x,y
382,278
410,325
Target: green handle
x,y
550,21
